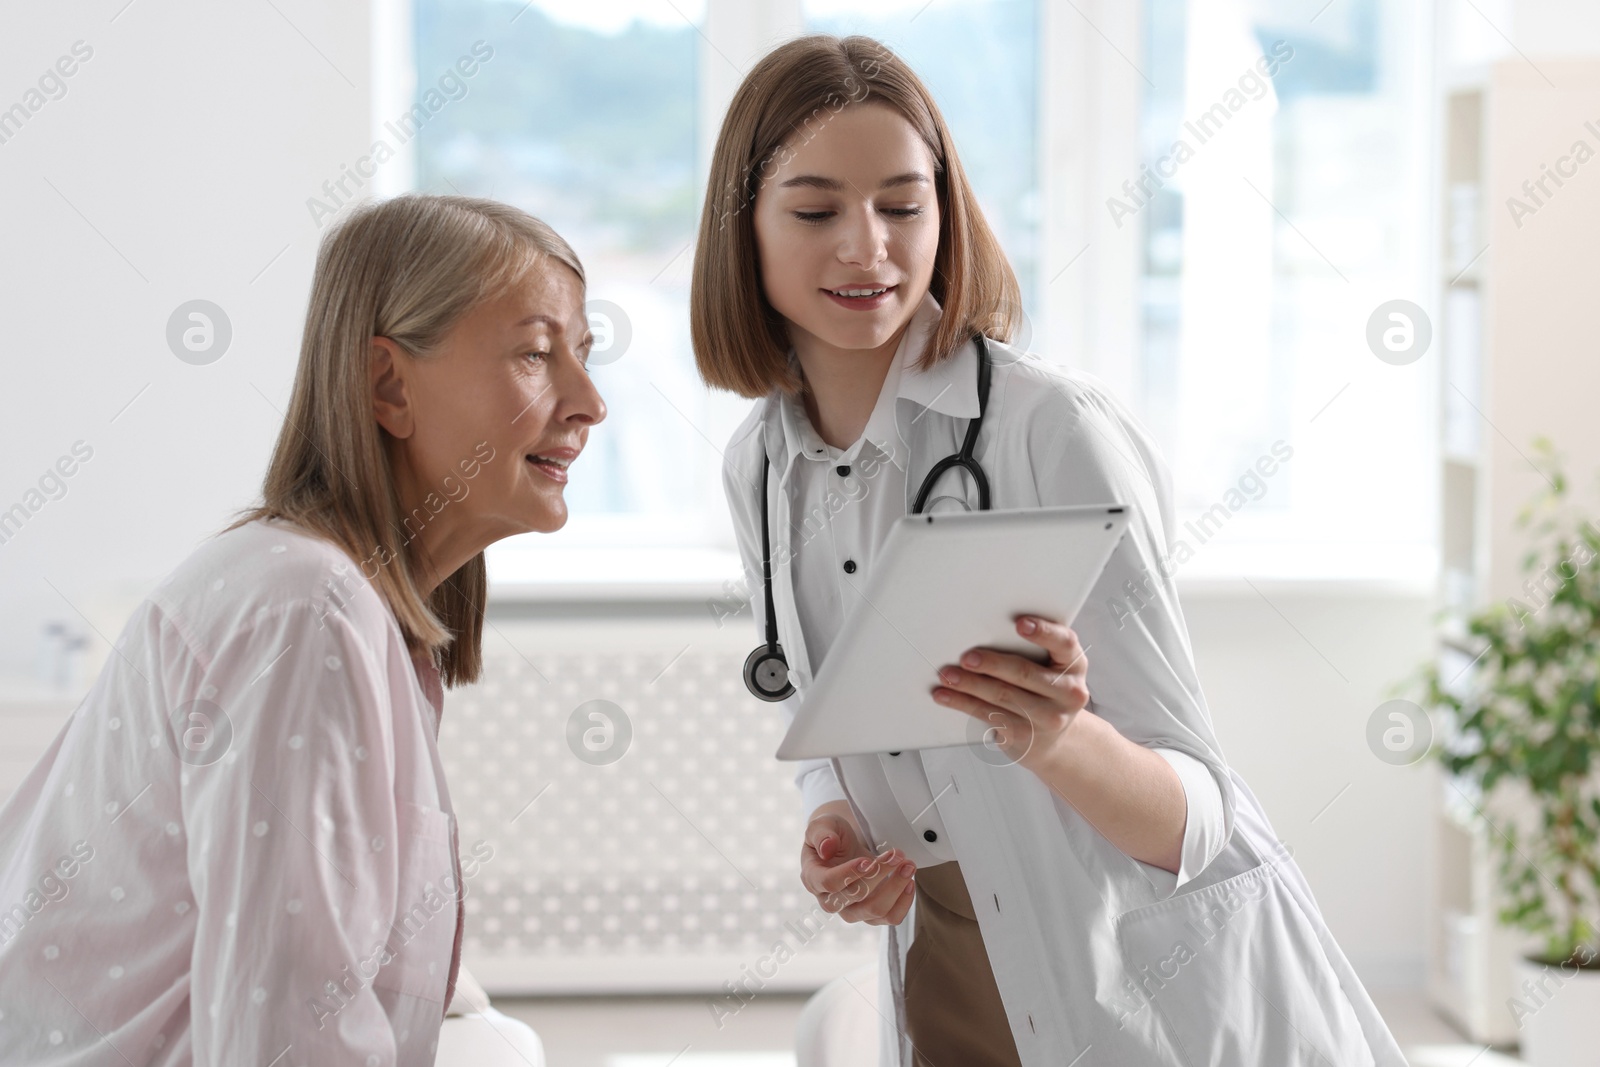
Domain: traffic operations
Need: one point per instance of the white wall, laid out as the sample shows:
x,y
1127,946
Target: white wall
x,y
1552,28
175,167
1270,660
187,146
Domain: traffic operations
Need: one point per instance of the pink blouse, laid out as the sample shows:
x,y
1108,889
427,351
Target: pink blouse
x,y
240,848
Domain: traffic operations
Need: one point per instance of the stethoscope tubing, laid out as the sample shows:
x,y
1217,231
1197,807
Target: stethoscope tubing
x,y
767,663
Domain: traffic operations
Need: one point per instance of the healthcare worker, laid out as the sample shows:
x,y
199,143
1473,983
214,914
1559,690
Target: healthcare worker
x,y
240,849
1096,886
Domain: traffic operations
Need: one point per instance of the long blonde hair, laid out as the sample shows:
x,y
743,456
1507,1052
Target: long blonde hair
x,y
409,269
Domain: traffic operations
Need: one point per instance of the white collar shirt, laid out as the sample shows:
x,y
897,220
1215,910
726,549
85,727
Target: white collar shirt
x,y
844,502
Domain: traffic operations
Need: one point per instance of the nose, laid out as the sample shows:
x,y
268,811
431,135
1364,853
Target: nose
x,y
577,399
864,243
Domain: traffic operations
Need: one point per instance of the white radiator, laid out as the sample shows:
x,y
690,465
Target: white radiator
x,y
648,844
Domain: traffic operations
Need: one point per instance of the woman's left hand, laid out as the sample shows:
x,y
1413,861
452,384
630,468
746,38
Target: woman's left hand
x,y
1029,705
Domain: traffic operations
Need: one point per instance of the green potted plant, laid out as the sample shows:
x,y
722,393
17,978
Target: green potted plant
x,y
1524,734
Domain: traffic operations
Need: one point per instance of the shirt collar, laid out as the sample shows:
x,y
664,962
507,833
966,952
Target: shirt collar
x,y
949,387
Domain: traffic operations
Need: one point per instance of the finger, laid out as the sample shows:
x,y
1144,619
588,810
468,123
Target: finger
x,y
825,881
1074,673
897,911
822,830
970,704
829,848
979,709
1002,693
1050,681
831,900
897,914
878,904
1013,732
882,869
854,882
824,875
1057,638
848,881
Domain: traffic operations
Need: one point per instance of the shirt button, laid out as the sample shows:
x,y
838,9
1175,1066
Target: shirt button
x,y
929,835
849,566
843,469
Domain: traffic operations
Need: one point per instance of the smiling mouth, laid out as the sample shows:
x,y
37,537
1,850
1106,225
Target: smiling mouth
x,y
553,468
859,294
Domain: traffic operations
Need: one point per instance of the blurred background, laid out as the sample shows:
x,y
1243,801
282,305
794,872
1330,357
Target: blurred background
x,y
1326,259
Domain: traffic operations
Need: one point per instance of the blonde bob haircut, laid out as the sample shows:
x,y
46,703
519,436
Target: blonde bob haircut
x,y
740,341
409,269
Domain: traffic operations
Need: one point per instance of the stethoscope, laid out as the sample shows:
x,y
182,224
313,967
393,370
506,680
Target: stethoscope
x,y
766,671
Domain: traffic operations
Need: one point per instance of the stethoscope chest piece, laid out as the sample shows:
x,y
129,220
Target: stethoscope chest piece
x,y
766,673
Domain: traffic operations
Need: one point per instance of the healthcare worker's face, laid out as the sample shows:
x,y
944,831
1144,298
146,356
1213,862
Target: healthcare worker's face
x,y
489,423
853,207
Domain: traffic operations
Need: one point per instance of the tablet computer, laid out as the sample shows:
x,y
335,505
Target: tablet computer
x,y
944,583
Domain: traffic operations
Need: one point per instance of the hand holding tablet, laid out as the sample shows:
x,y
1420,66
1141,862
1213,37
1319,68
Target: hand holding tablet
x,y
1025,705
946,584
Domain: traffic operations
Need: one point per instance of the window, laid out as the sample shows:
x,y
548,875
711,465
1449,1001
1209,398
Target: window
x,y
587,116
1295,212
978,59
1286,208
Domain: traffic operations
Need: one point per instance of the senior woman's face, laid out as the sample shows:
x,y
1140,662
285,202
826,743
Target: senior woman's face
x,y
499,413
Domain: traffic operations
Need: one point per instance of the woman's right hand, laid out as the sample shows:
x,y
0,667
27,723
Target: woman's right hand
x,y
839,870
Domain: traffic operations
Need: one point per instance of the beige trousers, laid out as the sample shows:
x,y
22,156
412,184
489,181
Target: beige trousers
x,y
954,1015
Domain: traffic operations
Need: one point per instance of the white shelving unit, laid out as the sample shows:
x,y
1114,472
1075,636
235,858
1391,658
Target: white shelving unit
x,y
1470,952
1517,360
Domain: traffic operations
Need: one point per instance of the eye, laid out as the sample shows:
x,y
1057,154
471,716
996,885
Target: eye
x,y
537,354
821,216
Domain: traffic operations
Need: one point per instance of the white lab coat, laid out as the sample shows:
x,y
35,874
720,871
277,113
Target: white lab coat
x,y
1099,958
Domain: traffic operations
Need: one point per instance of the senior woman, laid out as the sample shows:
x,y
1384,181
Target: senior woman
x,y
240,849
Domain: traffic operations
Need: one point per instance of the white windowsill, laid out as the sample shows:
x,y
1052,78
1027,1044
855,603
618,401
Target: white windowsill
x,y
684,574
607,574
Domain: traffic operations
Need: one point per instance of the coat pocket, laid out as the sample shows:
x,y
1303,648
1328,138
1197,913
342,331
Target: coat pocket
x,y
422,936
1238,975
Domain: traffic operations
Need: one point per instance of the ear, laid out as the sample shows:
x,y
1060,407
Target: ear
x,y
391,404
